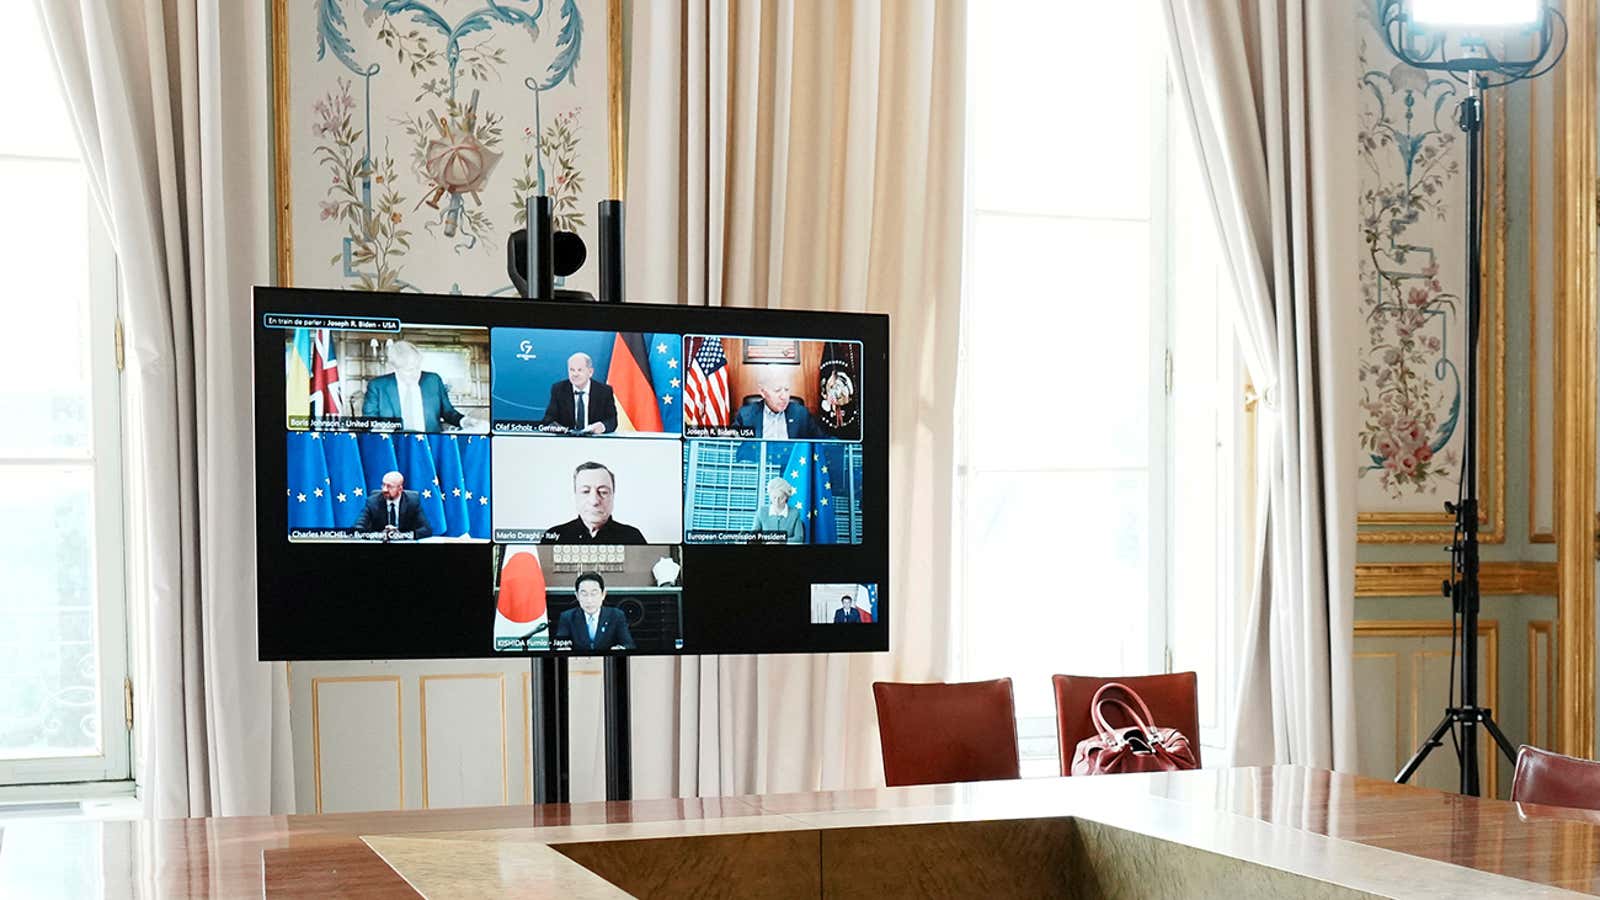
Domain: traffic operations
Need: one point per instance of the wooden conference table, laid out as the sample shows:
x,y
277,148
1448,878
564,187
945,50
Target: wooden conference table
x,y
1238,833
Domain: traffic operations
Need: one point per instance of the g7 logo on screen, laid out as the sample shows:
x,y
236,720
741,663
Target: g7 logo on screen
x,y
526,348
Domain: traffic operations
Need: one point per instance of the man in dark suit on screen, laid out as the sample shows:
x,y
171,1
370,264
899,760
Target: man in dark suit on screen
x,y
593,625
777,417
580,403
847,613
420,400
395,512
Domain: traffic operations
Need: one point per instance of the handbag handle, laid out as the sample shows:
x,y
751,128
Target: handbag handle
x,y
1103,728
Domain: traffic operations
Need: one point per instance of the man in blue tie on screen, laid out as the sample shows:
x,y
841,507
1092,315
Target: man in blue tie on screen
x,y
396,512
581,403
593,625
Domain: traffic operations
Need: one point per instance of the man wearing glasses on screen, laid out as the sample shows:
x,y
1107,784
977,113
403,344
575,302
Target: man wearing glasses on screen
x,y
581,404
593,625
594,490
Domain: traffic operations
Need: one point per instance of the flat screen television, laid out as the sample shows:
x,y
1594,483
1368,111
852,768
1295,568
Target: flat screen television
x,y
457,477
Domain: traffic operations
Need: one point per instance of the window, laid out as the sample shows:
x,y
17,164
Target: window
x,y
63,645
1098,376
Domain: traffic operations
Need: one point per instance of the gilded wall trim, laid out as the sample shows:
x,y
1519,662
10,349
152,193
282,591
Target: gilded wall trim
x,y
1488,633
422,703
1496,579
316,729
1575,385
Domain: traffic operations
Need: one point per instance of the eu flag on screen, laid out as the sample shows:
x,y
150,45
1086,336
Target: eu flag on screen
x,y
452,483
827,469
309,503
416,464
345,477
475,475
872,601
377,460
666,375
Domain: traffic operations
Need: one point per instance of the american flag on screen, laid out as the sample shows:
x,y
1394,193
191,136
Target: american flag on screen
x,y
705,389
327,392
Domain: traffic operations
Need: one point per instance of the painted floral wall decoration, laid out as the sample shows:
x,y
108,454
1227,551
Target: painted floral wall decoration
x,y
418,128
1410,375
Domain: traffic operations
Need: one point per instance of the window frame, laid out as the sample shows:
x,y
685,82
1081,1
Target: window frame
x,y
1037,739
105,459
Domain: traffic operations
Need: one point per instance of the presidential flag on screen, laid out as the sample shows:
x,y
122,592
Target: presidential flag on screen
x,y
705,387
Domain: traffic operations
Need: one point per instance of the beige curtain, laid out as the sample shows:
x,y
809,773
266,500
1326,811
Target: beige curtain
x,y
1270,88
169,98
807,156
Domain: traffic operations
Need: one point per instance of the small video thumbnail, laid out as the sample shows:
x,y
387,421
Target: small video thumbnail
x,y
844,604
771,388
586,599
388,488
773,492
555,491
563,382
425,379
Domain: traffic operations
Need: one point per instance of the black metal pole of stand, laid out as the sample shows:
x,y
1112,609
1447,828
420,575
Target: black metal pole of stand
x,y
551,779
1462,589
619,731
551,746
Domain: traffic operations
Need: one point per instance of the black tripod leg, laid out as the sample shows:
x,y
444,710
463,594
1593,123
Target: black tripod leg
x,y
1500,738
1434,740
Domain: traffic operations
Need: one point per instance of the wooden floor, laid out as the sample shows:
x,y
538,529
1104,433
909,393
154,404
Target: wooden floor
x,y
1318,824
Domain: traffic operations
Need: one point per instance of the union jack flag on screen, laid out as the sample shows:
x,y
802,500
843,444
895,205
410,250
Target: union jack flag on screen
x,y
705,387
327,392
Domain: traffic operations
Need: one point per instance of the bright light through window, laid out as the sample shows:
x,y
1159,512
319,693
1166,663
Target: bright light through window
x,y
1073,529
1476,13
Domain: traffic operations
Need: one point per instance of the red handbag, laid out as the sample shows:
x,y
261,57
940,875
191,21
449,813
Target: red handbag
x,y
1141,747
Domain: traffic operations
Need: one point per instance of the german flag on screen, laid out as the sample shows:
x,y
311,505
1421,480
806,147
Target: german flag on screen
x,y
637,408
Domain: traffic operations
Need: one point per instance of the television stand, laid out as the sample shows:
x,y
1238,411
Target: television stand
x,y
550,697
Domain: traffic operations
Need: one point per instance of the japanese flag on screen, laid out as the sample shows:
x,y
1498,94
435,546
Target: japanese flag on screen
x,y
520,607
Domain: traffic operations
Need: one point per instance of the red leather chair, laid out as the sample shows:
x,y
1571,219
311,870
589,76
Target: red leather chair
x,y
1173,700
941,733
1555,780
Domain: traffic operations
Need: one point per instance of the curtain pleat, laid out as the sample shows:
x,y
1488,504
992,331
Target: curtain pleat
x,y
808,156
1272,106
169,99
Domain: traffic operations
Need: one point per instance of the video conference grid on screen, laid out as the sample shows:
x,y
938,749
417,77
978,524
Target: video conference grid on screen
x,y
586,459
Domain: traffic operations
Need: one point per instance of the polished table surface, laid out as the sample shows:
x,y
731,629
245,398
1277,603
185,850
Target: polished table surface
x,y
1359,833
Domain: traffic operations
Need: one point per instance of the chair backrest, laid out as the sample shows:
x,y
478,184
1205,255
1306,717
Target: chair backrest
x,y
1174,702
941,733
1555,780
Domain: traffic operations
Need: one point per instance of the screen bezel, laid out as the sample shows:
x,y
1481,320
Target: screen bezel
x,y
274,550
